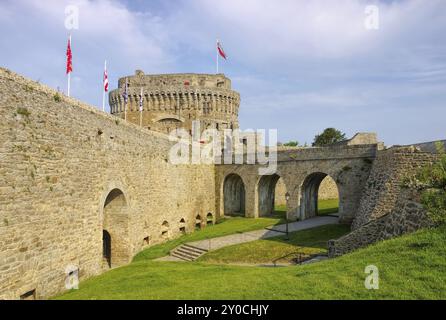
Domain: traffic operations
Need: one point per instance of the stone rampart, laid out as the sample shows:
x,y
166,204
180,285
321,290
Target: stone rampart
x,y
71,178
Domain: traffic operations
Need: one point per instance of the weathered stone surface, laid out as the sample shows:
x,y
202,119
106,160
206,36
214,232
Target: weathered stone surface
x,y
61,160
172,101
301,171
384,184
405,216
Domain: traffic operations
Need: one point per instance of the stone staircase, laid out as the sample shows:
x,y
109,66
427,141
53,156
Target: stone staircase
x,y
187,252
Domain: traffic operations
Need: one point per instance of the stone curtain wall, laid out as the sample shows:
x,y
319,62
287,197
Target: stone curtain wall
x,y
384,184
408,215
59,160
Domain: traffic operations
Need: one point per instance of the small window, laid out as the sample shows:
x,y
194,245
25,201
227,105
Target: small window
x,y
164,233
146,241
183,230
209,219
30,295
198,222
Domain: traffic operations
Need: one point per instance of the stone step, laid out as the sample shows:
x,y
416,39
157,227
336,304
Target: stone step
x,y
181,256
192,248
190,254
187,252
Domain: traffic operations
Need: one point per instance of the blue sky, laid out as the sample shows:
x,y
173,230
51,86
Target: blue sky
x,y
300,66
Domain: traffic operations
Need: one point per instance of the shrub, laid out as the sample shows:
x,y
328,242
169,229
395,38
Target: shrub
x,y
291,144
57,97
431,181
435,203
23,112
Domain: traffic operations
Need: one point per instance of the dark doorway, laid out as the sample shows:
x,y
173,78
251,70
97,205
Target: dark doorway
x,y
106,250
234,196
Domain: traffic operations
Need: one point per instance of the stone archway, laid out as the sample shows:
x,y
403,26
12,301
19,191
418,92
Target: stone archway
x,y
116,242
310,194
266,194
234,195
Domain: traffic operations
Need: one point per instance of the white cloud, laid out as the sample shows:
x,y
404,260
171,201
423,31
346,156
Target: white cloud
x,y
107,30
289,59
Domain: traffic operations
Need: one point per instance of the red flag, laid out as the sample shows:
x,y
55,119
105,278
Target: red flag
x,y
105,78
221,52
69,57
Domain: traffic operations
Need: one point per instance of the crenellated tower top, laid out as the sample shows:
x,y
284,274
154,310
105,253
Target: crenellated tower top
x,y
173,101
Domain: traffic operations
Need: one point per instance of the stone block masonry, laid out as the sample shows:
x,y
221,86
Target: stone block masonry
x,y
71,175
387,209
408,215
384,183
172,101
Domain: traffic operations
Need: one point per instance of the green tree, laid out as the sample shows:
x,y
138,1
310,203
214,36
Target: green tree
x,y
329,136
291,144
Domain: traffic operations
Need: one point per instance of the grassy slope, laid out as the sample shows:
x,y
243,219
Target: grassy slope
x,y
309,241
411,267
223,228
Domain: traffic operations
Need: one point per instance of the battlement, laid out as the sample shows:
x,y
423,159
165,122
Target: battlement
x,y
175,80
172,101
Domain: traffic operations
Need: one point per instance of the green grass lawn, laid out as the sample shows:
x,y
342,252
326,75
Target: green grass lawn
x,y
411,267
328,206
325,207
311,241
222,228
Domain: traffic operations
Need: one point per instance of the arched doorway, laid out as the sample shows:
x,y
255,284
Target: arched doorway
x,y
320,196
267,194
115,238
234,196
106,248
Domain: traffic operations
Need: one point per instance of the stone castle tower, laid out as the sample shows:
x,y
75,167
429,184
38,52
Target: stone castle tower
x,y
173,101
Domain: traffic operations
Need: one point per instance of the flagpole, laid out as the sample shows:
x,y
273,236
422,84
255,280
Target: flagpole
x,y
216,50
103,87
69,81
127,97
140,108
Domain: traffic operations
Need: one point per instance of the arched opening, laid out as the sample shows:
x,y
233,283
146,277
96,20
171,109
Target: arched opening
x,y
267,194
198,222
183,226
320,196
165,230
116,229
106,248
209,219
169,124
234,196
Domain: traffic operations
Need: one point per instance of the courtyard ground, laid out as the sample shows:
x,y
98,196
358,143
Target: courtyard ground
x,y
410,267
277,249
227,226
